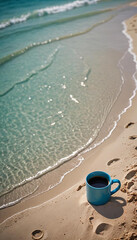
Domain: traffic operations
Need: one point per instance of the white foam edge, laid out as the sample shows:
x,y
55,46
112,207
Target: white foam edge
x,y
48,10
43,172
17,200
130,50
65,7
80,158
14,20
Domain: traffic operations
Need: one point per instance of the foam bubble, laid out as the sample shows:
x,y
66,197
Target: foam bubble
x,y
83,84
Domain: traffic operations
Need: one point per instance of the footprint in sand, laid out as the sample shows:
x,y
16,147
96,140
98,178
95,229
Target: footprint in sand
x,y
90,219
131,174
37,234
112,161
129,124
81,186
103,228
133,137
130,185
129,180
127,186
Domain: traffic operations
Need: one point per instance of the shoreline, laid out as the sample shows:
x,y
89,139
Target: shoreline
x,y
117,146
35,187
80,155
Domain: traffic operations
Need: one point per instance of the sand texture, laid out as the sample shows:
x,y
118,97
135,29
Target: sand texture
x,y
67,215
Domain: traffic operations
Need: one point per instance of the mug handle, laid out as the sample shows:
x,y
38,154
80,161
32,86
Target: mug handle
x,y
118,187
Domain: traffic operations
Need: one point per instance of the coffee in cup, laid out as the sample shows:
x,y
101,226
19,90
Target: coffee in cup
x,y
98,187
98,182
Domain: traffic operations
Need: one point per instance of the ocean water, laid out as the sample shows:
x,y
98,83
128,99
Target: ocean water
x,y
66,75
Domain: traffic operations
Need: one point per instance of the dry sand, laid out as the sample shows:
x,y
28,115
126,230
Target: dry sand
x,y
65,213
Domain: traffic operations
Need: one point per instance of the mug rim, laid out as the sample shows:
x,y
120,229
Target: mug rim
x,y
95,172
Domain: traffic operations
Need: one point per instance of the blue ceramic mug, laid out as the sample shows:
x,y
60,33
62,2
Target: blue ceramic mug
x,y
98,187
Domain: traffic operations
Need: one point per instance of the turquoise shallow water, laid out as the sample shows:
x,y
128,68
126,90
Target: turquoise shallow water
x,y
62,70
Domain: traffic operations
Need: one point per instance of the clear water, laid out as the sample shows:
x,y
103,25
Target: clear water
x,y
61,73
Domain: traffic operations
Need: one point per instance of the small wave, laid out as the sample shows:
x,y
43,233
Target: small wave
x,y
24,50
57,21
14,20
9,204
65,7
47,11
12,203
43,172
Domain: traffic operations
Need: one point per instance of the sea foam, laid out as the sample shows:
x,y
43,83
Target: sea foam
x,y
65,7
47,11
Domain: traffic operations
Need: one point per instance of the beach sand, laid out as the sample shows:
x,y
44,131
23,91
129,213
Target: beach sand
x,y
64,213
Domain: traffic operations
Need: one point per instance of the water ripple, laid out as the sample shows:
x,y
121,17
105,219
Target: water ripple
x,y
33,73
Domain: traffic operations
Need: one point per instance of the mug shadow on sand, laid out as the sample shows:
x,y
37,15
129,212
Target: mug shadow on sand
x,y
113,209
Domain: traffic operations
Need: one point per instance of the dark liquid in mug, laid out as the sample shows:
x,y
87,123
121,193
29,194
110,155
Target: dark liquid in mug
x,y
98,182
